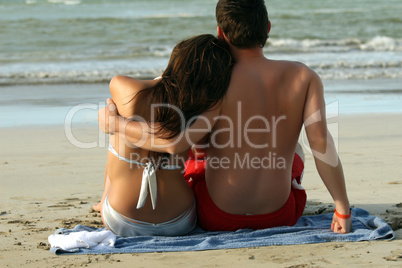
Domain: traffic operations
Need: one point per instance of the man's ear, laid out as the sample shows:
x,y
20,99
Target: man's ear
x,y
269,26
221,34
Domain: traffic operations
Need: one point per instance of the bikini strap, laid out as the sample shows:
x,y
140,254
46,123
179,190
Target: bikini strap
x,y
113,151
148,183
162,166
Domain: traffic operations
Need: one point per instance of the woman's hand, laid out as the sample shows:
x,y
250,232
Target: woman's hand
x,y
108,117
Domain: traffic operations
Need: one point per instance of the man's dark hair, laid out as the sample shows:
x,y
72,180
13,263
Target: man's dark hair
x,y
244,22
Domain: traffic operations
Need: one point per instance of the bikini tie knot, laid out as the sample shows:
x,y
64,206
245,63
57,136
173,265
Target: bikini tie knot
x,y
148,184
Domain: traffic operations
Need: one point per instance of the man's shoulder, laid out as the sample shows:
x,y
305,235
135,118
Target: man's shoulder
x,y
274,69
291,65
296,69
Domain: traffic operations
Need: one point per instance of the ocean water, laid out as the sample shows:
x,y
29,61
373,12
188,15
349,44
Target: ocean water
x,y
355,46
65,41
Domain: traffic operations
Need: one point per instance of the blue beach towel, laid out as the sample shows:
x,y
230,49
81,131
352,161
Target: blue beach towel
x,y
309,229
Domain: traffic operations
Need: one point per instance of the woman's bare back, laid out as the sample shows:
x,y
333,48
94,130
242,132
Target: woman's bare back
x,y
173,194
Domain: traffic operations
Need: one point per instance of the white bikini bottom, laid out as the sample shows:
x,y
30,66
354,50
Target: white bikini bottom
x,y
124,226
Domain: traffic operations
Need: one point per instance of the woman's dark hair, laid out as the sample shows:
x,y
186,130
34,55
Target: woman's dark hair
x,y
195,80
244,22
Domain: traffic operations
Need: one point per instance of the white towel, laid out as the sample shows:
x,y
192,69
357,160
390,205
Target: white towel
x,y
83,239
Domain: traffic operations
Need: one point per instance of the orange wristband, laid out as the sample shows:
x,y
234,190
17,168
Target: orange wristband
x,y
343,216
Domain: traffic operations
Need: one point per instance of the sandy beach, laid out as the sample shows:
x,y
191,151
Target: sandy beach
x,y
47,183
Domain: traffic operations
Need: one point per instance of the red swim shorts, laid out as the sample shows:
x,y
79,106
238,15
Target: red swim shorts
x,y
212,218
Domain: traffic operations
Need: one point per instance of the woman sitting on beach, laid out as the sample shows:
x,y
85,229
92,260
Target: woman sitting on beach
x,y
145,193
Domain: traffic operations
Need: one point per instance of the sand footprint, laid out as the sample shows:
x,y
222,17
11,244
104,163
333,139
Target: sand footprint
x,y
396,255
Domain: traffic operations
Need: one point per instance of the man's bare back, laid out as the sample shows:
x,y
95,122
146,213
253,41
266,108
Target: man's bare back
x,y
260,121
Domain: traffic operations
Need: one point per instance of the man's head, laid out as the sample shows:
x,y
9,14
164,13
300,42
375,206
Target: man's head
x,y
244,22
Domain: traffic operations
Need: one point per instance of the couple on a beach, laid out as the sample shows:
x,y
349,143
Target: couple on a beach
x,y
213,141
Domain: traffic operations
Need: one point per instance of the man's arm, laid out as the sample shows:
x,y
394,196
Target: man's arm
x,y
142,134
325,156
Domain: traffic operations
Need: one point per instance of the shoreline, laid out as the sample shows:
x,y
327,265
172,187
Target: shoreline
x,y
53,104
395,116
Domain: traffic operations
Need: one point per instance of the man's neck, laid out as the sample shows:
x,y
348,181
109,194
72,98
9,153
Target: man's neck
x,y
246,54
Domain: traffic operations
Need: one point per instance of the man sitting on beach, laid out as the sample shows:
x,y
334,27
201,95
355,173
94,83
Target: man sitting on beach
x,y
253,175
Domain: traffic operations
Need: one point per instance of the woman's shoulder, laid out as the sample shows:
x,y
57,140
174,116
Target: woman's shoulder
x,y
124,90
121,84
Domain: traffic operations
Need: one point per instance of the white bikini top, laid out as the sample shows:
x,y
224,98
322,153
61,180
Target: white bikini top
x,y
148,182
